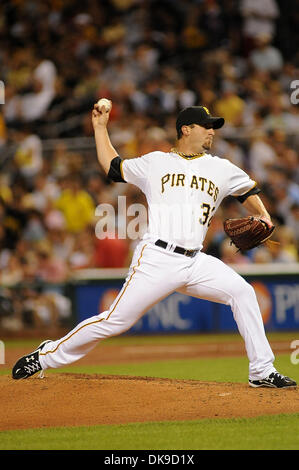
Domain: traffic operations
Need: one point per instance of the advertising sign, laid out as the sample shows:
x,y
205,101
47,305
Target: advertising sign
x,y
278,301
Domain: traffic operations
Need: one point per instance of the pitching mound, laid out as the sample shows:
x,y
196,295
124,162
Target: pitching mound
x,y
77,399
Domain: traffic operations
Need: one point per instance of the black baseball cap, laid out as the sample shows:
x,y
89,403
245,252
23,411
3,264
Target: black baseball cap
x,y
197,115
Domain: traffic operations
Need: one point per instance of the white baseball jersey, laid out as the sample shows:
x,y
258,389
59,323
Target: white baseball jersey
x,y
183,193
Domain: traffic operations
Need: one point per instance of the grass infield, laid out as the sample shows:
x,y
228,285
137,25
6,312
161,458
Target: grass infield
x,y
279,432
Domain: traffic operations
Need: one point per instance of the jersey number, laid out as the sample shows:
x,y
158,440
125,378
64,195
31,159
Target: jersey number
x,y
207,212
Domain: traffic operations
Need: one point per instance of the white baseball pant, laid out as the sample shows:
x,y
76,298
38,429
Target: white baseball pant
x,y
154,273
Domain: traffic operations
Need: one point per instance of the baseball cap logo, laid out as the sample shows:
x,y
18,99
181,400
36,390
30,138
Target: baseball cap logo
x,y
206,110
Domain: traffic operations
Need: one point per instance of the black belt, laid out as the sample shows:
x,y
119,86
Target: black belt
x,y
178,249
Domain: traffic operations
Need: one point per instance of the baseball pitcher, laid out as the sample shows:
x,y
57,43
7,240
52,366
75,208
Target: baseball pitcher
x,y
184,188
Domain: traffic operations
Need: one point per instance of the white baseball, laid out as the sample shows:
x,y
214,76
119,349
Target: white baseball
x,y
104,102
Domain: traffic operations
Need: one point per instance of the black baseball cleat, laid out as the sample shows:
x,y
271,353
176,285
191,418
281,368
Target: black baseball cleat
x,y
29,364
274,380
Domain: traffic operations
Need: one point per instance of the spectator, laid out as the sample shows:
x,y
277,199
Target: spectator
x,y
62,242
33,105
76,205
28,156
264,56
43,195
44,309
12,273
95,186
261,155
13,219
82,255
275,119
230,106
34,231
259,17
154,138
230,149
285,250
262,255
50,269
5,190
111,253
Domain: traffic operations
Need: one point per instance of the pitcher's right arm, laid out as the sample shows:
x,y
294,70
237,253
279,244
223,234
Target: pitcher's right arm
x,y
105,150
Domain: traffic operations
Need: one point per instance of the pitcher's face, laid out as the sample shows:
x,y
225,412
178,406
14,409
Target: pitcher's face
x,y
200,138
204,136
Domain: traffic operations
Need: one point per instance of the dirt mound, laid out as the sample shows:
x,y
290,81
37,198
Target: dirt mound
x,y
77,399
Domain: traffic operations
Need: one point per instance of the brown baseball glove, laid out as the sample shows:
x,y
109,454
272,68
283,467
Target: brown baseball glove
x,y
248,232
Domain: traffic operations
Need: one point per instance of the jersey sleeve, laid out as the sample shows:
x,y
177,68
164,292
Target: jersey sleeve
x,y
239,182
135,171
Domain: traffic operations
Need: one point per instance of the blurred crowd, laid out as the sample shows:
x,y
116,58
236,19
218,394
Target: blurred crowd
x,y
151,58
